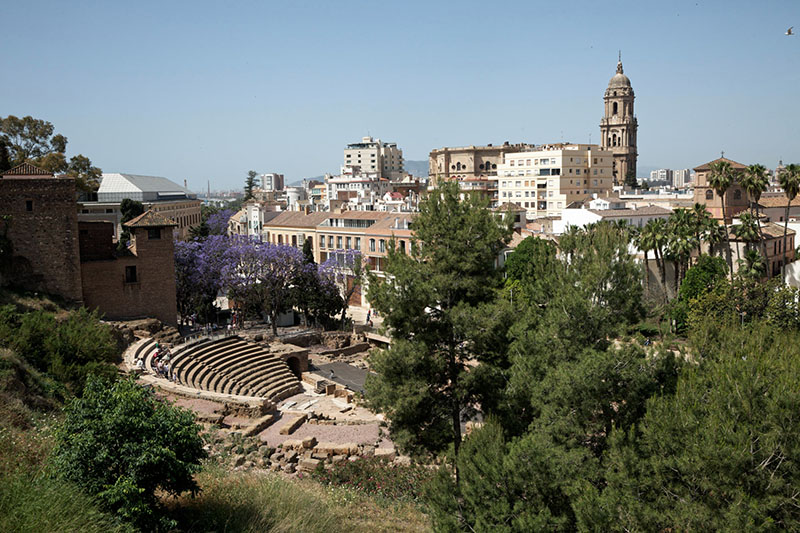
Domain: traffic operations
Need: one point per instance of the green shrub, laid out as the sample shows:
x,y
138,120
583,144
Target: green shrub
x,y
121,444
69,350
377,477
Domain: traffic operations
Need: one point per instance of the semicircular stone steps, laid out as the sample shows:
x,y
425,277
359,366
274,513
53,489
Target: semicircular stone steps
x,y
234,366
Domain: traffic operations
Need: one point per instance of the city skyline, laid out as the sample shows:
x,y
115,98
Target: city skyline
x,y
193,92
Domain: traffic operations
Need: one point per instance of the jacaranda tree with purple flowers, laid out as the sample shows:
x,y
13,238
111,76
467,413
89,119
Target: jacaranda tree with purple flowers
x,y
218,222
198,275
260,276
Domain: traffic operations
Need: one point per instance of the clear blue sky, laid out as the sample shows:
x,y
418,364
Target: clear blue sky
x,y
201,90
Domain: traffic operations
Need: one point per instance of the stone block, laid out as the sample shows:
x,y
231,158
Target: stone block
x,y
385,453
292,425
259,425
293,444
307,465
332,448
309,442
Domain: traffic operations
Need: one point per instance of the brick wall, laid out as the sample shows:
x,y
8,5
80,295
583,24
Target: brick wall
x,y
96,240
152,294
45,238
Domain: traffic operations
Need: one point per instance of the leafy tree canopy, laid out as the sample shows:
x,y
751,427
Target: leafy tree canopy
x,y
121,444
34,141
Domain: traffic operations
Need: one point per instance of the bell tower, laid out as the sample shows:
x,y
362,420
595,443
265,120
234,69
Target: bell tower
x,y
618,128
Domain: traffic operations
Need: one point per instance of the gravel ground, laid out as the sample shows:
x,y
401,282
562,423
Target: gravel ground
x,y
199,406
340,434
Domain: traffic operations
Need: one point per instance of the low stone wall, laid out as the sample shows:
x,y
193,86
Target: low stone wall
x,y
348,350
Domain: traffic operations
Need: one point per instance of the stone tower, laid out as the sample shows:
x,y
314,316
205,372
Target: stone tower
x,y
618,126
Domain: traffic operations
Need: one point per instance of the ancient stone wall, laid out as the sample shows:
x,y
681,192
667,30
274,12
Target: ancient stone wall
x,y
107,287
43,229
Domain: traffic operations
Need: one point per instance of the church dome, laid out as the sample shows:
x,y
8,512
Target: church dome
x,y
619,79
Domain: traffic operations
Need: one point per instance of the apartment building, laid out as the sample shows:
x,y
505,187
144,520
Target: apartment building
x,y
373,156
545,179
681,178
272,182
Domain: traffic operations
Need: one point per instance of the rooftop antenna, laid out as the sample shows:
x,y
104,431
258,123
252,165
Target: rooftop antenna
x,y
722,153
619,56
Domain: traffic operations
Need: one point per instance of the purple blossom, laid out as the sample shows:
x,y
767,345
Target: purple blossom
x,y
218,222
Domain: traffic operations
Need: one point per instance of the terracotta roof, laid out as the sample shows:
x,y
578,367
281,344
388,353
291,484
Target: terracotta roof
x,y
777,201
649,210
149,219
509,206
26,169
771,230
707,166
298,219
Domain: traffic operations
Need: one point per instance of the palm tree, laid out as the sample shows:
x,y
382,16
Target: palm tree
x,y
700,222
746,231
720,179
753,266
755,181
645,242
790,181
714,235
658,232
681,242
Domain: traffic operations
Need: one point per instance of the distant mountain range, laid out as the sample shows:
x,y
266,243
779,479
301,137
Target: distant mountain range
x,y
416,168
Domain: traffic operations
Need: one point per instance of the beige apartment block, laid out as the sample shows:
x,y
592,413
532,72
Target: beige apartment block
x,y
373,156
546,179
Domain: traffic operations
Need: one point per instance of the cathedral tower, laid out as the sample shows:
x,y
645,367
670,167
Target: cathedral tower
x,y
618,126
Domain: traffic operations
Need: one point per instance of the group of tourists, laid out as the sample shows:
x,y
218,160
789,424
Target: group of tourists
x,y
161,363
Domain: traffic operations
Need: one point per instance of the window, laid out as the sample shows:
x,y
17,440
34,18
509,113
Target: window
x,y
349,243
130,274
322,241
372,245
153,233
358,243
595,172
28,205
737,194
330,241
339,243
516,184
709,194
382,246
511,163
109,210
402,247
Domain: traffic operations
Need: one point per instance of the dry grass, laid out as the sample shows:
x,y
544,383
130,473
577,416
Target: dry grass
x,y
267,502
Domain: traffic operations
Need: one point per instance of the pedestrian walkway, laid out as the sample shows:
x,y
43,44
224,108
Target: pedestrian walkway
x,y
359,316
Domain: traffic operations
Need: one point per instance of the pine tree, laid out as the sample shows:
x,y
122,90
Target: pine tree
x,y
429,299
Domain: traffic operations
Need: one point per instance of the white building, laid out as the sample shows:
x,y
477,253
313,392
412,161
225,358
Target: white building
x,y
662,175
545,179
681,178
272,182
601,209
354,184
373,156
